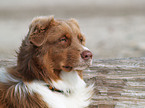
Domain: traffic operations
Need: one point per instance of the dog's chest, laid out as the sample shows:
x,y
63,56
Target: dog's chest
x,y
75,93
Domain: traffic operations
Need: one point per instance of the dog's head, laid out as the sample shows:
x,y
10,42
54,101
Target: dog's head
x,y
62,41
59,44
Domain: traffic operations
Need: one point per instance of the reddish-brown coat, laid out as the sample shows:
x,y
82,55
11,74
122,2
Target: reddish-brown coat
x,y
42,56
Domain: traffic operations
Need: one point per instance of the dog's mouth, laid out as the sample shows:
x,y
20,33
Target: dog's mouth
x,y
82,65
77,66
67,68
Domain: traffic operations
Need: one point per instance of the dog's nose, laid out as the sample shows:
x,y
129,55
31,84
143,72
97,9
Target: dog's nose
x,y
86,55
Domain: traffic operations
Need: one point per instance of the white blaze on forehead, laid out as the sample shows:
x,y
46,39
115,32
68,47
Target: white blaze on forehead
x,y
85,48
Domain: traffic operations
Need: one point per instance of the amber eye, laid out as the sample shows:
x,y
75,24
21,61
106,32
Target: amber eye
x,y
63,39
81,39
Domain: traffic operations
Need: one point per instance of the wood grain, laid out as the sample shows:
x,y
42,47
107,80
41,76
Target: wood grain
x,y
119,83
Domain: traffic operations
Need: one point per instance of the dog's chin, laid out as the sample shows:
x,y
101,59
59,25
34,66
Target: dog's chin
x,y
77,67
67,68
82,66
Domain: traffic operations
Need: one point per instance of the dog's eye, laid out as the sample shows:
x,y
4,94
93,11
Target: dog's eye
x,y
63,39
81,39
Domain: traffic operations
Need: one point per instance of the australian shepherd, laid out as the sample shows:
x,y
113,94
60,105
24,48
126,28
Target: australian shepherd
x,y
48,73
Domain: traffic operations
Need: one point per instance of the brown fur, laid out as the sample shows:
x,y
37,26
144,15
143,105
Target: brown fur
x,y
9,99
50,47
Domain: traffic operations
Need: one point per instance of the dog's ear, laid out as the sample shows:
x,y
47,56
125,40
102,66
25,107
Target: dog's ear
x,y
38,29
75,22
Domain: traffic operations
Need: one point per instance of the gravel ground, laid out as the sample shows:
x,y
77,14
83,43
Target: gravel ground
x,y
112,31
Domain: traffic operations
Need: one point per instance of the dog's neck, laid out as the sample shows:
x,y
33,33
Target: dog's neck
x,y
70,82
75,93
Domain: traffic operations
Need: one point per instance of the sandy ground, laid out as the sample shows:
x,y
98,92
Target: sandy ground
x,y
113,29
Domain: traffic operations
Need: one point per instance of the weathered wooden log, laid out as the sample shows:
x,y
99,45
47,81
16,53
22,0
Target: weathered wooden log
x,y
118,83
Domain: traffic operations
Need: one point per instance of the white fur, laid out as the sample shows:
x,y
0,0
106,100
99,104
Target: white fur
x,y
5,77
76,94
85,48
78,97
20,88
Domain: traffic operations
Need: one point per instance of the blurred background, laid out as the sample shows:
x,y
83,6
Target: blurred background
x,y
113,28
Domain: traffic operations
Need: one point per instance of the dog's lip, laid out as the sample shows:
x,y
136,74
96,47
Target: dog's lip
x,y
82,67
67,67
79,66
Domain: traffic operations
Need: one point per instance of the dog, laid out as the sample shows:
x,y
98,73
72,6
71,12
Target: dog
x,y
48,73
